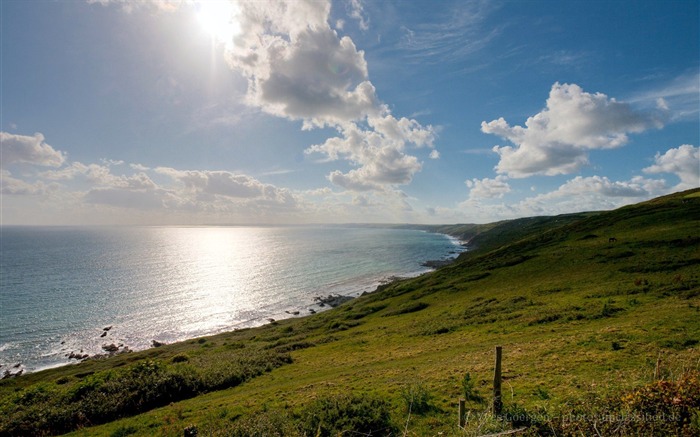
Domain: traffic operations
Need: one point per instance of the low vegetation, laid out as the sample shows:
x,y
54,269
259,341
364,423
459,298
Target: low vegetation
x,y
102,396
598,315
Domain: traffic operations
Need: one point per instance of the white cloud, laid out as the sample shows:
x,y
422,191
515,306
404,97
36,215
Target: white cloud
x,y
139,167
131,5
378,153
603,186
14,186
457,35
683,161
385,166
488,188
143,199
592,193
67,173
402,131
434,154
193,191
557,140
99,176
216,182
298,67
679,96
29,149
356,11
208,185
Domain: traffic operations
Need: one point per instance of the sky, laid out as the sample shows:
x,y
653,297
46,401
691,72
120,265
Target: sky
x,y
184,112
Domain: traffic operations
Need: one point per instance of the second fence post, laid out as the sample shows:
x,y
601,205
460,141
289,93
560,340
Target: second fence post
x,y
497,400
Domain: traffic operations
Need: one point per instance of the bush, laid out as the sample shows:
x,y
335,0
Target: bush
x,y
417,398
180,358
659,408
470,393
341,414
410,307
108,395
264,424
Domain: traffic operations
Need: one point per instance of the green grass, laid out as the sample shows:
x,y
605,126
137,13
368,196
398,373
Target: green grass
x,y
582,322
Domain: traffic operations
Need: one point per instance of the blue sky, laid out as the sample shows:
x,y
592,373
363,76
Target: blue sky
x,y
262,112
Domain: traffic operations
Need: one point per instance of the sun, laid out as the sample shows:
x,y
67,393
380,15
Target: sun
x,y
219,19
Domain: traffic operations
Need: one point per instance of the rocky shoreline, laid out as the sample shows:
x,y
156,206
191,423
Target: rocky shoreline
x,y
111,348
332,300
436,264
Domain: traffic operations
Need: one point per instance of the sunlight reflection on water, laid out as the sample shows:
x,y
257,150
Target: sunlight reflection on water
x,y
61,286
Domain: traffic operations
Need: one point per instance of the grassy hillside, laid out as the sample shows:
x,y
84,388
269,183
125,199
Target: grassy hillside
x,y
590,328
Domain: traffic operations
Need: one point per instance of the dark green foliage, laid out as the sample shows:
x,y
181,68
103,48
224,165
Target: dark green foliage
x,y
588,237
410,307
469,391
294,346
679,344
609,310
542,393
341,326
664,407
124,431
417,398
271,423
347,415
477,276
438,329
180,358
359,313
331,415
546,319
108,395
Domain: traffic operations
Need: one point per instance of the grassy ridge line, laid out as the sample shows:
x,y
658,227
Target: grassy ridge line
x,y
577,316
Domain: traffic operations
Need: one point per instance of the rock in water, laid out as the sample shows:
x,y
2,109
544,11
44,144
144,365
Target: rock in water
x,y
110,347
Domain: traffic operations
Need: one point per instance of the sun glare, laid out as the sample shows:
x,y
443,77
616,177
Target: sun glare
x,y
219,19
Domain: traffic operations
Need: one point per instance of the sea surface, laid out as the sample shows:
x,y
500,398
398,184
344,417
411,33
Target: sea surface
x,y
60,287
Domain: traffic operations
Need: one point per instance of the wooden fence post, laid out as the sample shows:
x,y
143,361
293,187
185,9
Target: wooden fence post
x,y
461,413
497,400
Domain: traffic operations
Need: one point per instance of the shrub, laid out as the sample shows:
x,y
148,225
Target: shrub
x,y
180,358
518,417
406,308
470,392
101,397
352,414
416,398
660,408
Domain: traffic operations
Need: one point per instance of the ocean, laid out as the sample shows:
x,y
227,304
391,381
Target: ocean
x,y
70,290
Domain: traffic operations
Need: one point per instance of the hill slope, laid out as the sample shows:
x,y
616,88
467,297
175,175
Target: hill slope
x,y
579,317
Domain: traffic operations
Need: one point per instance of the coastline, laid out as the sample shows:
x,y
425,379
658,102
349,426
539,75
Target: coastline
x,y
98,342
317,305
